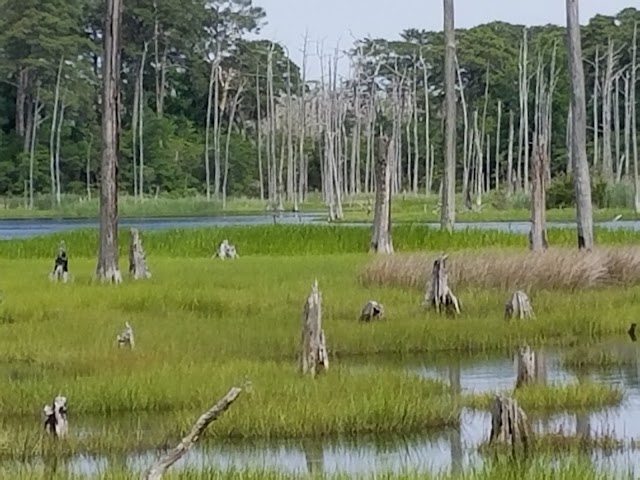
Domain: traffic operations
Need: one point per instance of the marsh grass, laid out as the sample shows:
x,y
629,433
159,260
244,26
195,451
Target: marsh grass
x,y
584,358
566,269
555,398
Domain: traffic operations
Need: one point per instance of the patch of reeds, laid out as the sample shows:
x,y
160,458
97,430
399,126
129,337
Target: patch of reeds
x,y
565,269
555,397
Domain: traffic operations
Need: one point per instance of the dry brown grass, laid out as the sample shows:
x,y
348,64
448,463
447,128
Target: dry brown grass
x,y
558,268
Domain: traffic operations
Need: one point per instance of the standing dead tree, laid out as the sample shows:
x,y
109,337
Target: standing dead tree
x,y
447,217
518,306
372,311
137,259
538,235
158,469
526,366
61,265
126,338
579,130
439,295
509,424
55,417
107,269
313,348
381,237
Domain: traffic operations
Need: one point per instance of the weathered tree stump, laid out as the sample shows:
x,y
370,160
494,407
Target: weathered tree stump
x,y
518,306
61,265
126,338
509,424
632,332
526,366
313,348
439,295
372,311
226,250
55,417
158,469
137,258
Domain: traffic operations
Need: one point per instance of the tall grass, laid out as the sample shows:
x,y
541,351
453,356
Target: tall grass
x,y
566,269
291,240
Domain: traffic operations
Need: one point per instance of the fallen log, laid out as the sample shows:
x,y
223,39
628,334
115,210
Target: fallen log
x,y
137,258
526,366
313,348
518,306
61,265
372,311
55,417
158,469
439,295
509,424
126,338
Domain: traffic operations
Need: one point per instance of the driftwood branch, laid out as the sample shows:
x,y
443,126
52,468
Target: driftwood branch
x,y
372,311
313,348
518,306
55,417
439,295
137,258
158,469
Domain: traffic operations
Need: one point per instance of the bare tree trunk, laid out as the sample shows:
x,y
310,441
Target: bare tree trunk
x,y
538,235
21,100
596,118
107,268
627,124
88,167
58,147
524,109
52,135
510,155
232,116
447,219
607,162
579,128
634,116
207,162
381,238
616,129
216,126
427,128
35,122
497,159
141,123
302,177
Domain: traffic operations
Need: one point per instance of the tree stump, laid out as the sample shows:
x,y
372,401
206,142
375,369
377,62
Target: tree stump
x,y
226,250
509,424
126,338
313,348
632,332
439,294
526,366
372,311
61,265
518,306
55,417
137,258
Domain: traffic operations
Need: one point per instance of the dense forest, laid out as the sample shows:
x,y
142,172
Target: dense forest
x,y
208,110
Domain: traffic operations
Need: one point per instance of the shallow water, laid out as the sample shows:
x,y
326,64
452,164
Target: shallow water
x,y
436,451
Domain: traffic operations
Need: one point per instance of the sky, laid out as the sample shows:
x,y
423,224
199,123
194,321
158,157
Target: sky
x,y
333,21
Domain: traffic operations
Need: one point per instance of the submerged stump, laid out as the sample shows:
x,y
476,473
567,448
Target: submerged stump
x,y
126,338
313,348
518,306
372,311
55,417
137,258
509,424
60,271
226,250
526,366
439,295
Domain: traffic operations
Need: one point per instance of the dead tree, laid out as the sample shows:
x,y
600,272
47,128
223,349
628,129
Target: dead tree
x,y
518,306
137,259
226,250
126,338
313,348
381,237
158,469
447,217
526,366
509,424
538,235
108,269
61,265
372,311
581,176
55,417
439,294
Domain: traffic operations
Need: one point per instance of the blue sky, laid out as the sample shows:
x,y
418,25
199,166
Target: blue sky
x,y
332,21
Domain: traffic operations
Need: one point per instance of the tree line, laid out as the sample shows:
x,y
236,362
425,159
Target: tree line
x,y
206,110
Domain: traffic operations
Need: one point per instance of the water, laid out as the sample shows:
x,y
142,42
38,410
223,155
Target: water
x,y
445,450
24,228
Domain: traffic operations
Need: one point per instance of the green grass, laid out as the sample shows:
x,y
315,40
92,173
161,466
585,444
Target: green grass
x,y
587,358
553,398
